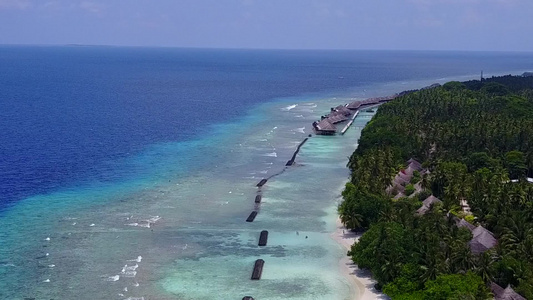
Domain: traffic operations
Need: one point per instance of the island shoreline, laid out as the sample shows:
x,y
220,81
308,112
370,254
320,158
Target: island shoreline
x,y
361,280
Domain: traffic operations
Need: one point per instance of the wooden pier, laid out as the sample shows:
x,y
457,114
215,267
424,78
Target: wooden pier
x,y
252,216
349,123
263,238
258,269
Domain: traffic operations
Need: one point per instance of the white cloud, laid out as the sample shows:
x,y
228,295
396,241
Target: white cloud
x,y
92,7
15,4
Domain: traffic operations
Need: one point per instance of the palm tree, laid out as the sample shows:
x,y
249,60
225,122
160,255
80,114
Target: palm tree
x,y
517,229
352,220
484,265
461,258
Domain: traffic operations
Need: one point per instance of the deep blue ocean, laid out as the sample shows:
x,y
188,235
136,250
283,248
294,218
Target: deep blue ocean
x,y
72,116
128,172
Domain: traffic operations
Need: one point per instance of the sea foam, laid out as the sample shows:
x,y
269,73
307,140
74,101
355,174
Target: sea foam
x,y
289,107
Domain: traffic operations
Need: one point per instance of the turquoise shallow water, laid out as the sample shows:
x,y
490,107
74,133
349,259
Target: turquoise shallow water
x,y
185,237
174,227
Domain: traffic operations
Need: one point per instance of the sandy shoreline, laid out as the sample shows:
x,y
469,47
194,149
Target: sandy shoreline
x,y
361,280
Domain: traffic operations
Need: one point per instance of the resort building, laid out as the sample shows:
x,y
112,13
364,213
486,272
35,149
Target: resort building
x,y
403,178
482,240
504,294
426,204
336,117
465,224
354,105
343,110
324,127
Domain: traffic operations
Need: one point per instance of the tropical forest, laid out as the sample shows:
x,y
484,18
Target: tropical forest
x,y
441,190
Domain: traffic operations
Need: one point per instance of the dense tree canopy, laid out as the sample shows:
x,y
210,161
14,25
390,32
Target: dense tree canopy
x,y
475,140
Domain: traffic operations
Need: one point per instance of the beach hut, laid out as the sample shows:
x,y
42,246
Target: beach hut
x,y
409,170
324,127
398,196
412,160
425,172
405,176
504,294
431,200
426,204
399,188
462,223
482,240
399,180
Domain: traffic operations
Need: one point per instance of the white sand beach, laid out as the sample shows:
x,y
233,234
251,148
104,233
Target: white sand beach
x,y
361,279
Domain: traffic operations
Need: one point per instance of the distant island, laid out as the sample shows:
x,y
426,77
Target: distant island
x,y
441,187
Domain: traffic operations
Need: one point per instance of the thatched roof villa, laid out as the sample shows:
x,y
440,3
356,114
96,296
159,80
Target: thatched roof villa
x,y
342,109
482,240
465,224
504,294
336,117
414,164
426,204
324,127
354,105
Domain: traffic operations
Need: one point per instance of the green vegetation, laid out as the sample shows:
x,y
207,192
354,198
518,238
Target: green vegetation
x,y
409,189
444,287
473,137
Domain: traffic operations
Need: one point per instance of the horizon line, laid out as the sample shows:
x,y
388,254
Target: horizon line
x,y
259,49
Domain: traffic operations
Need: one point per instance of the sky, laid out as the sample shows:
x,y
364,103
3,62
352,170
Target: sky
x,y
492,25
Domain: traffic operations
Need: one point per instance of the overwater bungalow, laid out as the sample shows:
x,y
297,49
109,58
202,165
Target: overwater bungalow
x,y
354,105
336,117
342,109
388,98
324,127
